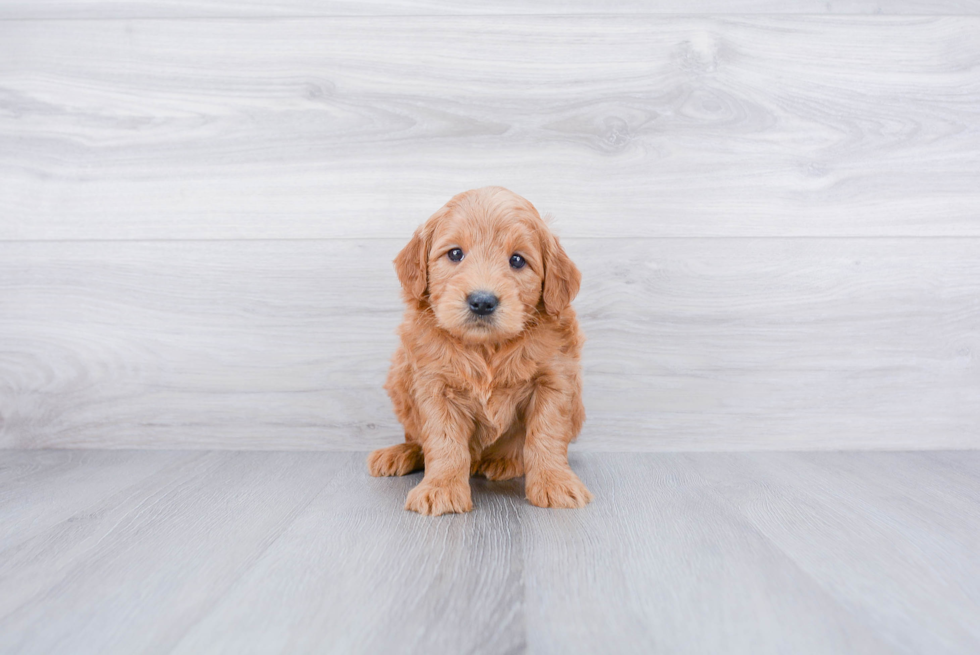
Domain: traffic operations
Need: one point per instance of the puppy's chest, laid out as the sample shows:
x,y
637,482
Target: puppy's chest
x,y
495,408
493,400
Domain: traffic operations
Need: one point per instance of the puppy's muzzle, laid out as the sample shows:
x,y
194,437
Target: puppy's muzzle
x,y
482,303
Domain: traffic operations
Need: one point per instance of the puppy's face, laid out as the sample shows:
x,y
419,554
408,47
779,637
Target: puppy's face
x,y
485,274
485,262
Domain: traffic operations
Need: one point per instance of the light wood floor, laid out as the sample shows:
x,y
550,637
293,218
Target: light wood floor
x,y
268,552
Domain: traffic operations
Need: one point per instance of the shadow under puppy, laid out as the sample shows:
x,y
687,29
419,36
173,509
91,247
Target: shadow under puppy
x,y
487,378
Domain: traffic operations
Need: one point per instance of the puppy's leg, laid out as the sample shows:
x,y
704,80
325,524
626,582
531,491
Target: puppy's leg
x,y
549,480
504,458
406,457
445,445
396,460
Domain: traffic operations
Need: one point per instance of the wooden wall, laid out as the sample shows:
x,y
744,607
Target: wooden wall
x,y
776,210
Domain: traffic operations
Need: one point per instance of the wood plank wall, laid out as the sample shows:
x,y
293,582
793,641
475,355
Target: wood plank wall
x,y
775,206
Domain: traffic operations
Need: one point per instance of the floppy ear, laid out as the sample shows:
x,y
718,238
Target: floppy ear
x,y
561,277
412,264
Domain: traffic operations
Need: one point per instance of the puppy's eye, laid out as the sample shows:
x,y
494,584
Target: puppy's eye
x,y
455,255
516,261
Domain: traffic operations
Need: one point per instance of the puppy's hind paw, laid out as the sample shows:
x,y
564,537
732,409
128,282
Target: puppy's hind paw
x,y
395,460
500,468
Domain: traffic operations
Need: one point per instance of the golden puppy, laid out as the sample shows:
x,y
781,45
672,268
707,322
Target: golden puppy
x,y
487,377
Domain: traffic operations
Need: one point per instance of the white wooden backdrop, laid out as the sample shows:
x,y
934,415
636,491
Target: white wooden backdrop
x,y
776,211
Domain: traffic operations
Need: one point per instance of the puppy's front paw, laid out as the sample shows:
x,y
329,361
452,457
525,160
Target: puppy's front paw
x,y
501,468
435,498
395,460
557,489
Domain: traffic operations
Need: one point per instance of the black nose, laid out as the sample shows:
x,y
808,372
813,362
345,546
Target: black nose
x,y
482,302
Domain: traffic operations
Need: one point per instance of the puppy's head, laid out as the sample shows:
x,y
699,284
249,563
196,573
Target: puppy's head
x,y
487,264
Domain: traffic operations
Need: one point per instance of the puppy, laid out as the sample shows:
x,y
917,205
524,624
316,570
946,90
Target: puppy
x,y
487,378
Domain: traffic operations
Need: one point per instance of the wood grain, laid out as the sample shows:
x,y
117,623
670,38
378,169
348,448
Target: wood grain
x,y
137,569
687,572
693,344
89,9
362,127
698,553
33,508
841,519
379,577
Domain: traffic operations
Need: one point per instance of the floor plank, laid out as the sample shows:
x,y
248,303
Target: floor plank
x,y
18,464
659,565
699,344
132,574
35,501
843,529
357,573
304,552
362,127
